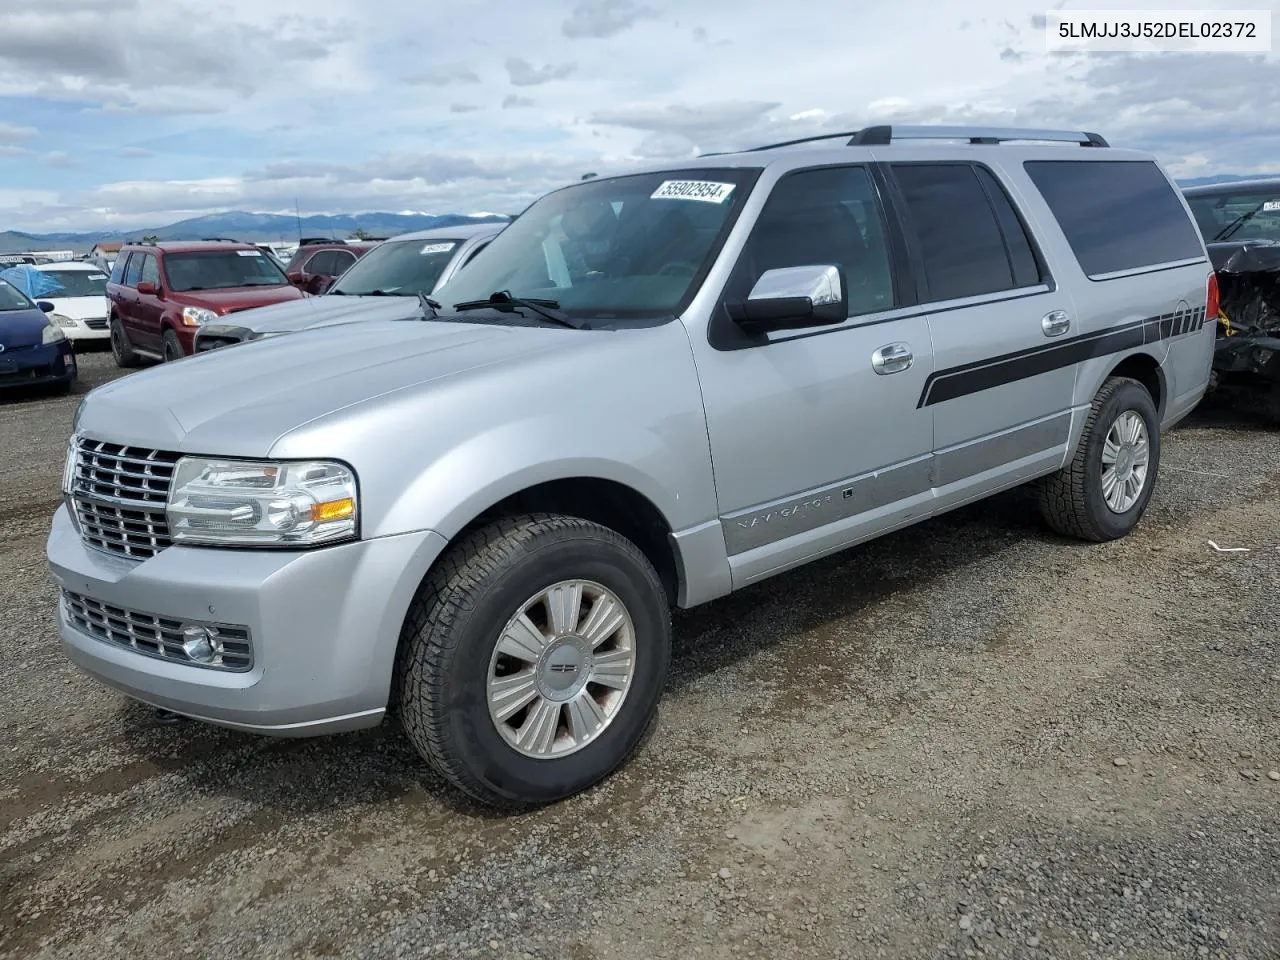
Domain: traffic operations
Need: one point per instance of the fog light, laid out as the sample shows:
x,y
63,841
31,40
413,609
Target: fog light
x,y
201,644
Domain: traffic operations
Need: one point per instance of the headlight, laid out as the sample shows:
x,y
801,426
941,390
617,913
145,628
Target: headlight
x,y
62,321
248,503
195,316
69,468
52,334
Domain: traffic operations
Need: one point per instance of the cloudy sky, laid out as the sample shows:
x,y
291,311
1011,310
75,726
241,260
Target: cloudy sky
x,y
132,113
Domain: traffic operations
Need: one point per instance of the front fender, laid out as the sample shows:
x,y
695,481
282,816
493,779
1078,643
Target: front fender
x,y
460,484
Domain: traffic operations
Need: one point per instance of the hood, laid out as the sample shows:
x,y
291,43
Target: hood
x,y
240,402
1245,256
79,308
236,298
21,328
310,311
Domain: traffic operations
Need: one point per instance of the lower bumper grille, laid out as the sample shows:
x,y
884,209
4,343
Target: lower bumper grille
x,y
156,636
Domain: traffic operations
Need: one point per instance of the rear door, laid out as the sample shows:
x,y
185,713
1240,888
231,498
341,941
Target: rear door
x,y
1001,388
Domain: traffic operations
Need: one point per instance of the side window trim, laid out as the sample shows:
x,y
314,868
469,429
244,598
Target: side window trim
x,y
900,273
916,257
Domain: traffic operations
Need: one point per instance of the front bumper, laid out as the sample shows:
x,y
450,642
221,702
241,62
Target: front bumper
x,y
84,332
323,625
46,363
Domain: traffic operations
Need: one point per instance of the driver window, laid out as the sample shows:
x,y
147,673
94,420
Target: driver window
x,y
826,216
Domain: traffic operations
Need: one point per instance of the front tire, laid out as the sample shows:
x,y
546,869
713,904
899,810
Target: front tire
x,y
172,347
1104,491
533,659
121,349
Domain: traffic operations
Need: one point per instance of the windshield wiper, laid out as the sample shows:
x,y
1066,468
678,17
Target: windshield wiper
x,y
503,300
1237,223
430,308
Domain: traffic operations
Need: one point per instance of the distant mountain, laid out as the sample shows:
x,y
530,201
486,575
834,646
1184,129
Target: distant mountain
x,y
256,227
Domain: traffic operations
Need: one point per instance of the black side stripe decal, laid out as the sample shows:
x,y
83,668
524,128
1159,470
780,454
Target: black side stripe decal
x,y
980,375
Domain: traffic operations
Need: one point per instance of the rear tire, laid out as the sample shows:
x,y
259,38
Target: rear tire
x,y
1099,495
172,347
121,348
501,710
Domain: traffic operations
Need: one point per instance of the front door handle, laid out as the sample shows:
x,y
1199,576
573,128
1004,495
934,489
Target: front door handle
x,y
1055,324
892,358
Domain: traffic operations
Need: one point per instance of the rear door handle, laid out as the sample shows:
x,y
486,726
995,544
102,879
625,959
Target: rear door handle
x,y
1055,324
892,358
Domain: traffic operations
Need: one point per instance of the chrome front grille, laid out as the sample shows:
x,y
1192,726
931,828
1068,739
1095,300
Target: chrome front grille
x,y
156,636
119,494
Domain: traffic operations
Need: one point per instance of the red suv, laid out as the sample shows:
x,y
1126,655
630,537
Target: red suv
x,y
320,262
160,293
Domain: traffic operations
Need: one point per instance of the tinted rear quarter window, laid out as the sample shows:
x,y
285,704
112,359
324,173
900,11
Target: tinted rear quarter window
x,y
1117,215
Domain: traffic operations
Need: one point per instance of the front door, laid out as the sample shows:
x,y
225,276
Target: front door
x,y
1001,389
150,307
817,438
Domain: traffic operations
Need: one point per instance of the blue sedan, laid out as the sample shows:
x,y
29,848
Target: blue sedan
x,y
33,351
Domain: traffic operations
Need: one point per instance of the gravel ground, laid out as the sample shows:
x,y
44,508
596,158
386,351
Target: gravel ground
x,y
969,739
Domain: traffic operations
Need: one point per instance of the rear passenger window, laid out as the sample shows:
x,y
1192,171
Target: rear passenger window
x,y
117,268
959,235
818,217
1116,214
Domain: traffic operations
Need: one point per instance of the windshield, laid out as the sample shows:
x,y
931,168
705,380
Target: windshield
x,y
625,247
221,270
77,283
11,298
1248,215
403,268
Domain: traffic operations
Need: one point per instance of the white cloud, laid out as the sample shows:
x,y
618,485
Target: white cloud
x,y
604,18
11,134
424,107
525,74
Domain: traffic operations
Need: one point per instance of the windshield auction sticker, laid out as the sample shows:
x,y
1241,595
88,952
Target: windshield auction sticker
x,y
1271,206
436,248
706,191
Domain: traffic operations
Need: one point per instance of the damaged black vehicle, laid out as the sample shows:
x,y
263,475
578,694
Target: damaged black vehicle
x,y
1240,222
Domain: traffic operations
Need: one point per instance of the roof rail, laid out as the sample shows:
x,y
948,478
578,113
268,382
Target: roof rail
x,y
309,241
883,135
879,136
219,240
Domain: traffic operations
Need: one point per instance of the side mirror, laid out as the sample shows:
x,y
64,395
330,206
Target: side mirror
x,y
793,297
45,305
146,288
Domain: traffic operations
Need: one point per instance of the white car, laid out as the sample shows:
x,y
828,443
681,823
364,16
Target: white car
x,y
80,303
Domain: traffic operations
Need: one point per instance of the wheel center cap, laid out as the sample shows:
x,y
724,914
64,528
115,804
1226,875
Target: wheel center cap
x,y
564,668
1124,462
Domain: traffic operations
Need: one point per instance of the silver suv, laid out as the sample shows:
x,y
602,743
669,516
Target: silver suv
x,y
648,391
